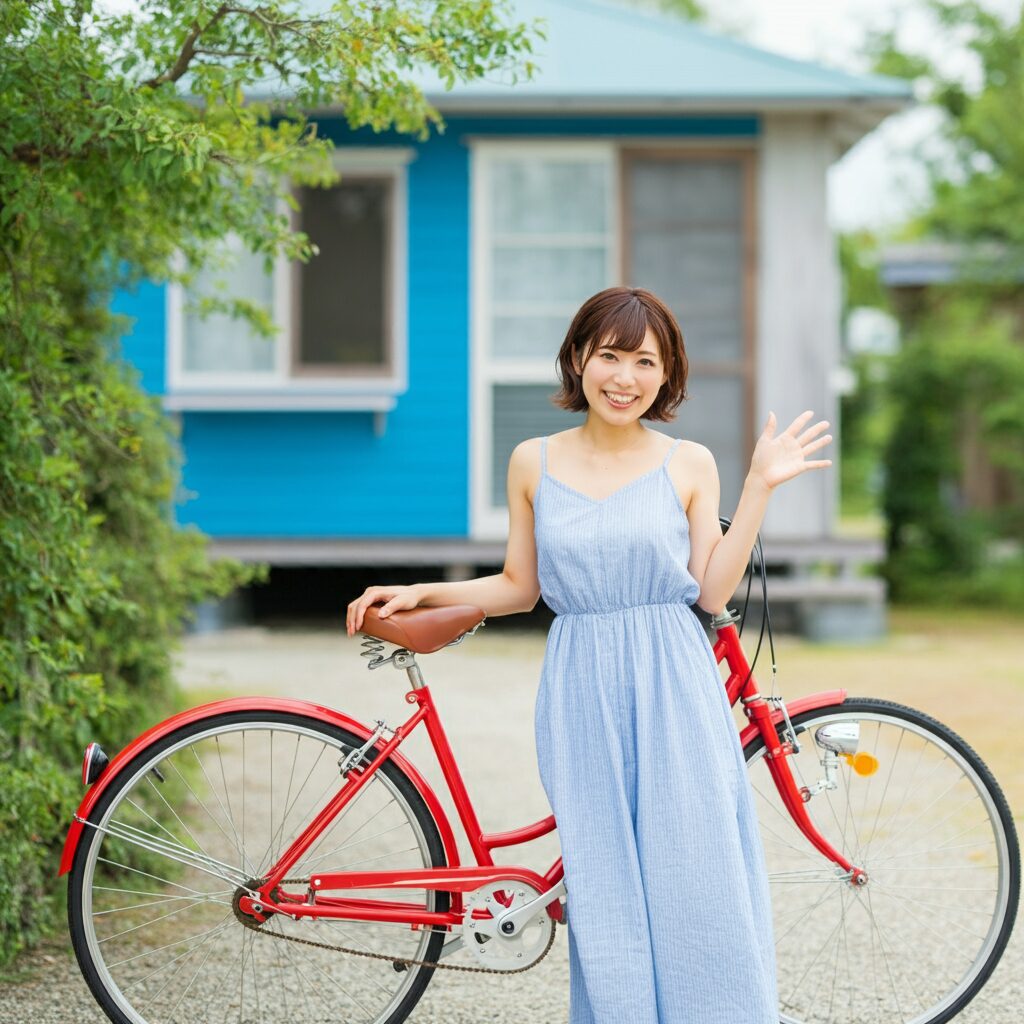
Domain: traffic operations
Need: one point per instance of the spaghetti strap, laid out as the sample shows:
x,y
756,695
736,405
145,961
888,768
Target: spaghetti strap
x,y
671,451
543,456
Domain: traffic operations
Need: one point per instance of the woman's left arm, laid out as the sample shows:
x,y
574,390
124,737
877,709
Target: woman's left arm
x,y
775,460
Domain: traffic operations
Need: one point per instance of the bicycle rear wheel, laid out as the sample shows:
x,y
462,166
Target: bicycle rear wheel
x,y
923,816
155,929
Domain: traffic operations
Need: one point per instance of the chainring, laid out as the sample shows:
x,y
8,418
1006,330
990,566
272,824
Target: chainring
x,y
483,938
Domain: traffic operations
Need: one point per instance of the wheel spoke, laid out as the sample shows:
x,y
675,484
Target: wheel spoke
x,y
916,938
161,936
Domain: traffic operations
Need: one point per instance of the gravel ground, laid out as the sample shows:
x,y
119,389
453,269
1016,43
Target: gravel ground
x,y
485,689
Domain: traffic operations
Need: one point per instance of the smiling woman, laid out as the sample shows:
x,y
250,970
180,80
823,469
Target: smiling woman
x,y
655,817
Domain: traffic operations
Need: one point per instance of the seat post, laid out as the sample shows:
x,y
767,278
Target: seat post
x,y
407,660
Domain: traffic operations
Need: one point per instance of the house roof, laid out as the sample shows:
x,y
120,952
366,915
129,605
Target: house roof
x,y
601,51
601,57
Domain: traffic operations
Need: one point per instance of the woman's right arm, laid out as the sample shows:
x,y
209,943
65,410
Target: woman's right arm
x,y
514,589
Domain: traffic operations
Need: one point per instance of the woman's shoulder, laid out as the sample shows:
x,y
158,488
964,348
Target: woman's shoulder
x,y
526,457
689,469
697,455
526,448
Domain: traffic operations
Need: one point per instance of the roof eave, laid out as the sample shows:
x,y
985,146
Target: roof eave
x,y
663,104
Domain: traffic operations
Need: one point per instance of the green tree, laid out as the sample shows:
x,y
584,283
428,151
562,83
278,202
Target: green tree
x,y
126,139
977,184
960,376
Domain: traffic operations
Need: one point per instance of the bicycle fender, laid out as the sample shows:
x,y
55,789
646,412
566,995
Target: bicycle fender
x,y
219,707
795,707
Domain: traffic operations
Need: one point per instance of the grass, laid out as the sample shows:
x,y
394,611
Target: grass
x,y
961,666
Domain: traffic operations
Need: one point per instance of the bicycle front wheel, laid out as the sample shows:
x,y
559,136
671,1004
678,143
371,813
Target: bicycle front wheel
x,y
170,846
918,810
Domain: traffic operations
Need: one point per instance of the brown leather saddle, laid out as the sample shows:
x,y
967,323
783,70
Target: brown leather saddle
x,y
422,630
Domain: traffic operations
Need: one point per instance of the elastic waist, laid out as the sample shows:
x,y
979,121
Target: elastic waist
x,y
623,608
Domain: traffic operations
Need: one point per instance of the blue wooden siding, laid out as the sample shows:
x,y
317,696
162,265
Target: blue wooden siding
x,y
145,345
325,474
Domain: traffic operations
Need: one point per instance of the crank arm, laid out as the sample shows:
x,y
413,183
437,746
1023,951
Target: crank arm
x,y
518,917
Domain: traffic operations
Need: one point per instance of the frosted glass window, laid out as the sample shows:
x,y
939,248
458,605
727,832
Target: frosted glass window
x,y
714,415
522,411
529,337
548,197
551,274
686,191
221,343
686,245
548,223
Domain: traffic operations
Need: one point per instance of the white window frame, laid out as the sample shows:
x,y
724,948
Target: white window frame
x,y
277,389
487,522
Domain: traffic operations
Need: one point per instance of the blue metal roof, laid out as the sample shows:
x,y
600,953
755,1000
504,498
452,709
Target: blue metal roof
x,y
614,55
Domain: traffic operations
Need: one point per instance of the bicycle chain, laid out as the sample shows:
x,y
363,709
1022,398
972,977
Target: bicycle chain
x,y
257,926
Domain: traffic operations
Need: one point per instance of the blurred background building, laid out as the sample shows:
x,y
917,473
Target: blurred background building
x,y
372,437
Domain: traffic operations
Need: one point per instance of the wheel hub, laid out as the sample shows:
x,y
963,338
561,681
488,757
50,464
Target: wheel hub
x,y
249,910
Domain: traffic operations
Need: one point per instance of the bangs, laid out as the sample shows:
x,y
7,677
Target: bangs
x,y
623,328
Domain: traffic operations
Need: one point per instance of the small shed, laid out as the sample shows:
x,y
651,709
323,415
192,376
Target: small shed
x,y
419,347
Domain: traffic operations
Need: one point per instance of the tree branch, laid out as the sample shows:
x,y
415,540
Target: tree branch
x,y
187,50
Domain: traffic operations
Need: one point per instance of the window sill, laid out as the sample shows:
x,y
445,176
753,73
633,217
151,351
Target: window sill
x,y
276,401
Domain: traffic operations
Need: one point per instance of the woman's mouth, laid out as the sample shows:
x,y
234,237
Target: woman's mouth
x,y
619,400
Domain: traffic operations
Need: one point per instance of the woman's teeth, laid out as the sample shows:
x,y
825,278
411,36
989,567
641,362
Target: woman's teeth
x,y
619,401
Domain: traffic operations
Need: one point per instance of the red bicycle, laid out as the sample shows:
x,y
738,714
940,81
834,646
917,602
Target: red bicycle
x,y
256,859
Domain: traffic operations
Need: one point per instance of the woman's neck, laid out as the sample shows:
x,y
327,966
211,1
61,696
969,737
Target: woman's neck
x,y
600,436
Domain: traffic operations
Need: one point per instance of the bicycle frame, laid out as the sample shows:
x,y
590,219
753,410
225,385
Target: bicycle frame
x,y
271,898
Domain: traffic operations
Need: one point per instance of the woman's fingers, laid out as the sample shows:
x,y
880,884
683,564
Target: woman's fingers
x,y
813,446
799,422
811,431
398,603
356,608
393,599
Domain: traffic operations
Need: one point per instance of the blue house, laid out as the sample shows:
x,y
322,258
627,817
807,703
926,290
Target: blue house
x,y
419,347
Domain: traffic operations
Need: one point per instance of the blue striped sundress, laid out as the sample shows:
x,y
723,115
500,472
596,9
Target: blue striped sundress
x,y
667,894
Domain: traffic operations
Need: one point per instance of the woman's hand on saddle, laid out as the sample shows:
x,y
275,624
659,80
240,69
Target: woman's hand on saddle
x,y
777,459
395,598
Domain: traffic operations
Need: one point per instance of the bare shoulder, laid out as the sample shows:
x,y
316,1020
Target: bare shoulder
x,y
692,466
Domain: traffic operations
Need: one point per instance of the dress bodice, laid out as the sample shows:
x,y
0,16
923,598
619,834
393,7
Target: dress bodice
x,y
597,556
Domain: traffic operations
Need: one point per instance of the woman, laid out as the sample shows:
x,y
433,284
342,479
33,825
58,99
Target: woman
x,y
616,524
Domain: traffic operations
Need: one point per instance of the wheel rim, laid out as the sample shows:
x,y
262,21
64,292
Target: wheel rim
x,y
924,826
165,941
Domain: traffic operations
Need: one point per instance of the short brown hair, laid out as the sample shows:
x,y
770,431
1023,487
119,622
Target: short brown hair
x,y
623,315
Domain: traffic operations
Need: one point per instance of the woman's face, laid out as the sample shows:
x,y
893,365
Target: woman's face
x,y
621,386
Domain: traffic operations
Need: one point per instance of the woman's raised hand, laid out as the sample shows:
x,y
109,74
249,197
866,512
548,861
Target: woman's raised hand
x,y
396,598
777,459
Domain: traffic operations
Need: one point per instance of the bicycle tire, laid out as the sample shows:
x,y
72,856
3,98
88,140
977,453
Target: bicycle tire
x,y
865,993
410,983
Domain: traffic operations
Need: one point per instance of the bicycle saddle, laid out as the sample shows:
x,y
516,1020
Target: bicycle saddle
x,y
422,630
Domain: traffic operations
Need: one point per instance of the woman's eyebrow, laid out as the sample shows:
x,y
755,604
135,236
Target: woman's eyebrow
x,y
639,352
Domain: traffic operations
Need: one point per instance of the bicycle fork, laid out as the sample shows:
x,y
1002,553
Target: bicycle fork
x,y
837,739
